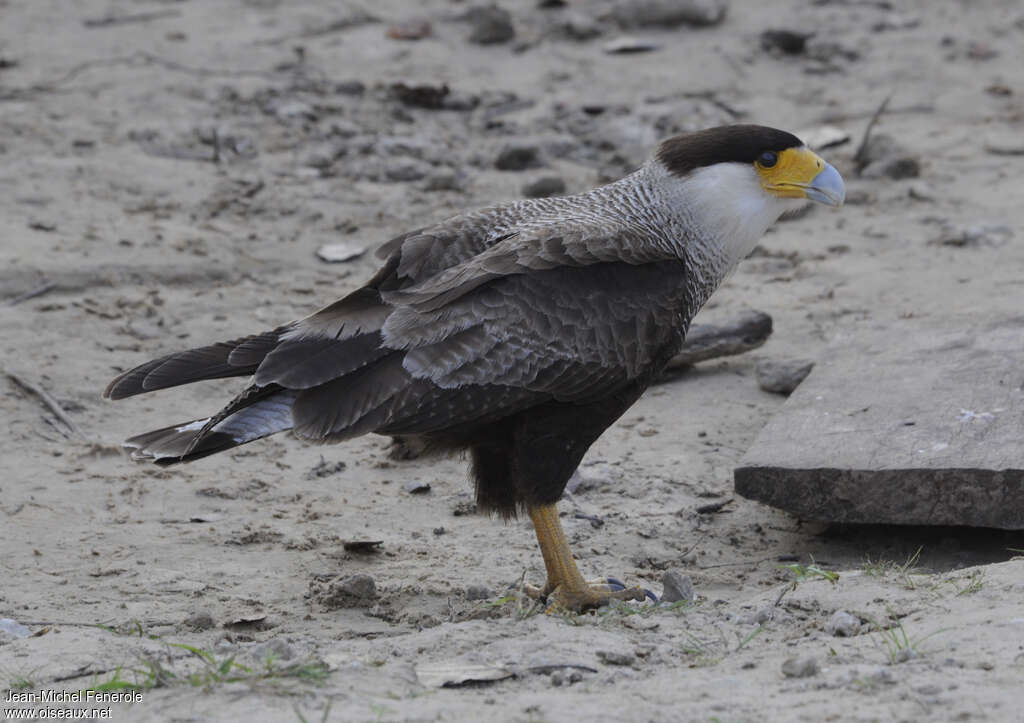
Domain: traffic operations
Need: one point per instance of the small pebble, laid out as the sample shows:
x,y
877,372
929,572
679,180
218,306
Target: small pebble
x,y
616,657
416,487
677,587
843,625
200,620
490,25
800,667
518,158
782,376
478,592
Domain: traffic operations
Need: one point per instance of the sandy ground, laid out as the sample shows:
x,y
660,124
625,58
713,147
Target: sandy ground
x,y
165,183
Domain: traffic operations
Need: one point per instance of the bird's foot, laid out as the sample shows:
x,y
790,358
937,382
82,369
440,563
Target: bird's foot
x,y
591,594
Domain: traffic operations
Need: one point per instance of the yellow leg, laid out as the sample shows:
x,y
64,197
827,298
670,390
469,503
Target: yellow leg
x,y
566,587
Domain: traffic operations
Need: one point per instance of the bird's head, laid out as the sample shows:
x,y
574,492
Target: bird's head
x,y
733,182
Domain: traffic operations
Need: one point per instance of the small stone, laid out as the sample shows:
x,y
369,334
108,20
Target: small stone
x,y
628,44
615,657
577,26
895,168
518,158
677,587
800,667
353,591
903,655
784,41
491,24
921,191
669,13
544,186
200,620
295,110
339,252
478,592
416,487
843,625
782,376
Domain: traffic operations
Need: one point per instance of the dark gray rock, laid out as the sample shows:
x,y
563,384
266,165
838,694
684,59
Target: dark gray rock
x,y
490,25
478,592
416,487
353,591
544,186
916,423
518,158
677,587
843,625
669,13
800,667
199,620
896,168
782,376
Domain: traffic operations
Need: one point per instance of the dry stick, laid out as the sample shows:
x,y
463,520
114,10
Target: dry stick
x,y
706,341
50,403
108,20
858,157
38,291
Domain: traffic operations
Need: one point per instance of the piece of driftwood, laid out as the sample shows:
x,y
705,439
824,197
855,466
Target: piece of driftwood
x,y
747,331
49,402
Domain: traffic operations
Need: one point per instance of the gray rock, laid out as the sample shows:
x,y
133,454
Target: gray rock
x,y
896,168
544,186
478,592
677,587
669,13
416,487
800,667
907,456
490,25
1005,145
518,157
616,657
275,648
843,625
199,620
782,376
577,26
353,591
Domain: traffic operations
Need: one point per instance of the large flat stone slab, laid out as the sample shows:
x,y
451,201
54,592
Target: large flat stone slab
x,y
920,422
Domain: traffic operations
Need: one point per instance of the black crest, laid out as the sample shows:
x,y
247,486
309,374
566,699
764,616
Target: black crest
x,y
738,144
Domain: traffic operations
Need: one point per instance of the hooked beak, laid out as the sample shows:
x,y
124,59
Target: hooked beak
x,y
827,187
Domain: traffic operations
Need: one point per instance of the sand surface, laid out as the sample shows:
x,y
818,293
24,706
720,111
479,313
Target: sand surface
x,y
165,183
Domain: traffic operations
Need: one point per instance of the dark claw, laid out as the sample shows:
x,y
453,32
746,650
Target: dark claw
x,y
651,595
615,584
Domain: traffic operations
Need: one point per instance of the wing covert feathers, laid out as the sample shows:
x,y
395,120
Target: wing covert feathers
x,y
473,319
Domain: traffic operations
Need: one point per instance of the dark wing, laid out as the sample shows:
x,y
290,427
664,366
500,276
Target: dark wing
x,y
563,310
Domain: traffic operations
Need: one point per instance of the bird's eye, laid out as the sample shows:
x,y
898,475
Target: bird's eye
x,y
768,159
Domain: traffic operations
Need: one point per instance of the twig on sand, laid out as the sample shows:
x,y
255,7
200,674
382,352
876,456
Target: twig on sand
x,y
108,20
33,293
858,157
50,403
